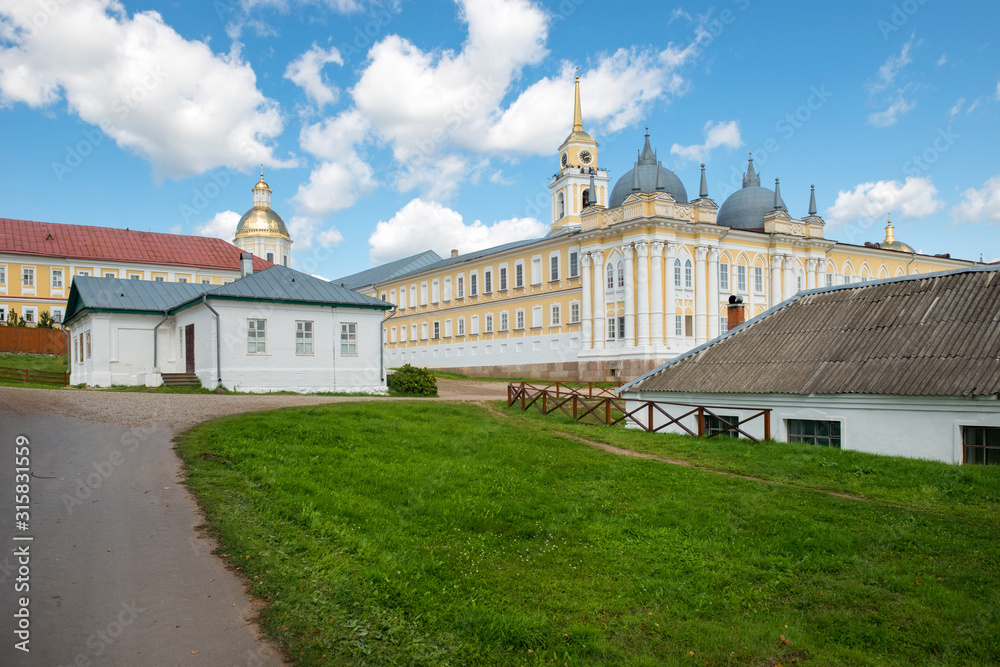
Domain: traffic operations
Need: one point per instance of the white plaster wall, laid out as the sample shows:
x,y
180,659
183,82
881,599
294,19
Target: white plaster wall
x,y
121,350
489,351
910,426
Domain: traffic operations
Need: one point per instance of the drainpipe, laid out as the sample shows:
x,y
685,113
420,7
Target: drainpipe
x,y
218,337
912,258
381,344
165,318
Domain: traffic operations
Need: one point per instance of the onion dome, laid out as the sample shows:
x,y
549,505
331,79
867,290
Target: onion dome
x,y
890,242
261,220
648,176
746,208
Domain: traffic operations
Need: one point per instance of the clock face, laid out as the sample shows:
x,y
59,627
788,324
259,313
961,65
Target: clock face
x,y
565,159
586,157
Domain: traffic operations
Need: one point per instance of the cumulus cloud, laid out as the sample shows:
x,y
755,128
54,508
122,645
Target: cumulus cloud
x,y
423,225
717,135
341,177
308,233
916,197
306,72
884,90
171,101
222,226
980,205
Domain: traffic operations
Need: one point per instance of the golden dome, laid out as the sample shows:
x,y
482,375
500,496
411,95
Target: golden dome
x,y
890,242
261,222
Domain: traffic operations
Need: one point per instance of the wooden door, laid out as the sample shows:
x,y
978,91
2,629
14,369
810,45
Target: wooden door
x,y
189,347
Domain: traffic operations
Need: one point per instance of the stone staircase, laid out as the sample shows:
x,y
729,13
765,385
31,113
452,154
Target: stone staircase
x,y
181,380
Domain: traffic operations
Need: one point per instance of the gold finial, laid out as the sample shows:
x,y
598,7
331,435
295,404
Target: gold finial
x,y
890,236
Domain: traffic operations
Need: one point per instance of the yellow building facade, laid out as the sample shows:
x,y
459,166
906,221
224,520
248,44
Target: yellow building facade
x,y
628,277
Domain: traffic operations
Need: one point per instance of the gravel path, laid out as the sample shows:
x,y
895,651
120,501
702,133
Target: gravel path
x,y
182,411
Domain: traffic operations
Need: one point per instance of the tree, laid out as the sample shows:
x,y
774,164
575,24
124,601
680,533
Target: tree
x,y
13,319
45,320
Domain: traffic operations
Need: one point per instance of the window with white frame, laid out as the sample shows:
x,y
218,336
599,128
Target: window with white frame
x,y
180,280
158,279
829,279
349,338
610,276
574,263
3,314
85,273
447,328
758,279
503,277
413,332
677,273
554,266
437,329
474,325
27,276
383,297
57,278
392,296
488,281
741,279
423,331
413,295
30,314
536,270
519,273
206,281
798,282
460,287
574,312
689,326
503,321
519,318
138,276
423,293
392,335
612,328
621,274
402,334
488,323
57,315
256,336
303,337
688,274
536,317
555,315
435,291
402,297
723,324
3,274
473,283
86,345
723,276
461,326
114,274
447,288
678,325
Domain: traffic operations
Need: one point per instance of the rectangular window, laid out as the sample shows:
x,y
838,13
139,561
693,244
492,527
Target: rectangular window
x,y
536,317
447,288
487,281
621,327
460,289
413,295
689,326
813,432
574,264
114,274
536,270
29,315
256,336
461,326
723,324
158,279
724,277
423,331
741,279
488,323
180,280
677,273
519,273
135,276
3,313
829,280
503,278
503,321
437,330
688,275
57,314
349,337
981,445
574,312
554,267
270,257
57,278
206,281
474,325
423,293
473,284
715,425
435,291
3,275
402,334
87,345
392,296
612,328
554,315
413,332
678,325
392,335
383,295
447,328
28,277
304,337
85,273
519,318
758,279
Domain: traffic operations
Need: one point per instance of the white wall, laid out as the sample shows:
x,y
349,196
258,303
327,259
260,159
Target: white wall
x,y
485,350
910,426
121,349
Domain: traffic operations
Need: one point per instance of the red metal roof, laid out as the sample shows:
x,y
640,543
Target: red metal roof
x,y
107,244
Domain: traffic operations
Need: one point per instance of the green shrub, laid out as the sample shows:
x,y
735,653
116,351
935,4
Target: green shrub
x,y
412,381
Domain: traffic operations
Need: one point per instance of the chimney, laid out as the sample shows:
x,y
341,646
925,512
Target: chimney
x,y
246,264
736,312
454,252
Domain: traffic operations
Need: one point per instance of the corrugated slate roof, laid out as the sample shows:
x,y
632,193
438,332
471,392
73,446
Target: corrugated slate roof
x,y
277,283
380,274
107,244
930,335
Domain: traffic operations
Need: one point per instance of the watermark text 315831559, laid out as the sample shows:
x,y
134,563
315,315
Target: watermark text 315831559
x,y
22,551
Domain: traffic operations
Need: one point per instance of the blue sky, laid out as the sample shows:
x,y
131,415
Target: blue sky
x,y
387,127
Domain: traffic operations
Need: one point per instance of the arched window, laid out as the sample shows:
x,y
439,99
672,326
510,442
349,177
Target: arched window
x,y
688,276
677,273
621,274
561,205
586,198
611,275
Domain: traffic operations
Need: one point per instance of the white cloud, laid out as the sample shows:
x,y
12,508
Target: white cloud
x,y
307,233
884,90
890,116
423,225
335,185
168,100
942,60
957,108
717,135
916,197
980,205
222,226
307,73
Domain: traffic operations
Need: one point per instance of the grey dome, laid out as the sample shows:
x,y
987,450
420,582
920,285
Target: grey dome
x,y
746,208
648,176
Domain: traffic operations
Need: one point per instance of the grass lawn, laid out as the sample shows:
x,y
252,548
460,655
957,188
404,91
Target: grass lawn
x,y
35,362
431,533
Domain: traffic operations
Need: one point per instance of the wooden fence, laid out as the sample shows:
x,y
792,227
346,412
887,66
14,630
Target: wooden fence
x,y
32,340
34,377
610,410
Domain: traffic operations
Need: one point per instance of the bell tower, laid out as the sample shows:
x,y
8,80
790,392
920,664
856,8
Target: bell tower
x,y
580,182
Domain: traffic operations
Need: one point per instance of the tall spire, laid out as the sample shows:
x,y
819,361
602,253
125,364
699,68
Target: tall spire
x,y
261,192
577,113
592,199
778,204
751,177
890,236
703,192
647,156
812,200
659,181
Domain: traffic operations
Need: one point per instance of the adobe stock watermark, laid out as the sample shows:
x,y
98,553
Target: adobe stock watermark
x,y
121,108
47,10
711,29
901,13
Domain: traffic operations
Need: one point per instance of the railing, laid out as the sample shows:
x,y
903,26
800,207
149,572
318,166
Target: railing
x,y
35,377
606,408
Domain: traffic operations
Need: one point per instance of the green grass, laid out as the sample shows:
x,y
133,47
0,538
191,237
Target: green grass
x,y
443,534
35,362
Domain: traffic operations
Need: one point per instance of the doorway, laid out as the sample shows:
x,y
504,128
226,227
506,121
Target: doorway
x,y
189,348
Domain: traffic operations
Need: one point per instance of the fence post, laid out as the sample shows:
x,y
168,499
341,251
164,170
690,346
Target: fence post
x,y
701,421
607,411
545,395
767,424
649,421
574,407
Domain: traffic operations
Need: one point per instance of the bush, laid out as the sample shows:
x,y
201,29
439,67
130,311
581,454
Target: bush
x,y
412,381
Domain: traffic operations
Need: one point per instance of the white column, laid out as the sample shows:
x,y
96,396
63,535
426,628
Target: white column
x,y
775,281
656,297
629,253
600,308
713,292
700,295
670,305
811,276
642,250
788,279
586,294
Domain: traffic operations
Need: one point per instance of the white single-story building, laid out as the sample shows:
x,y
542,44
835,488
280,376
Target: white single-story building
x,y
902,367
274,330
